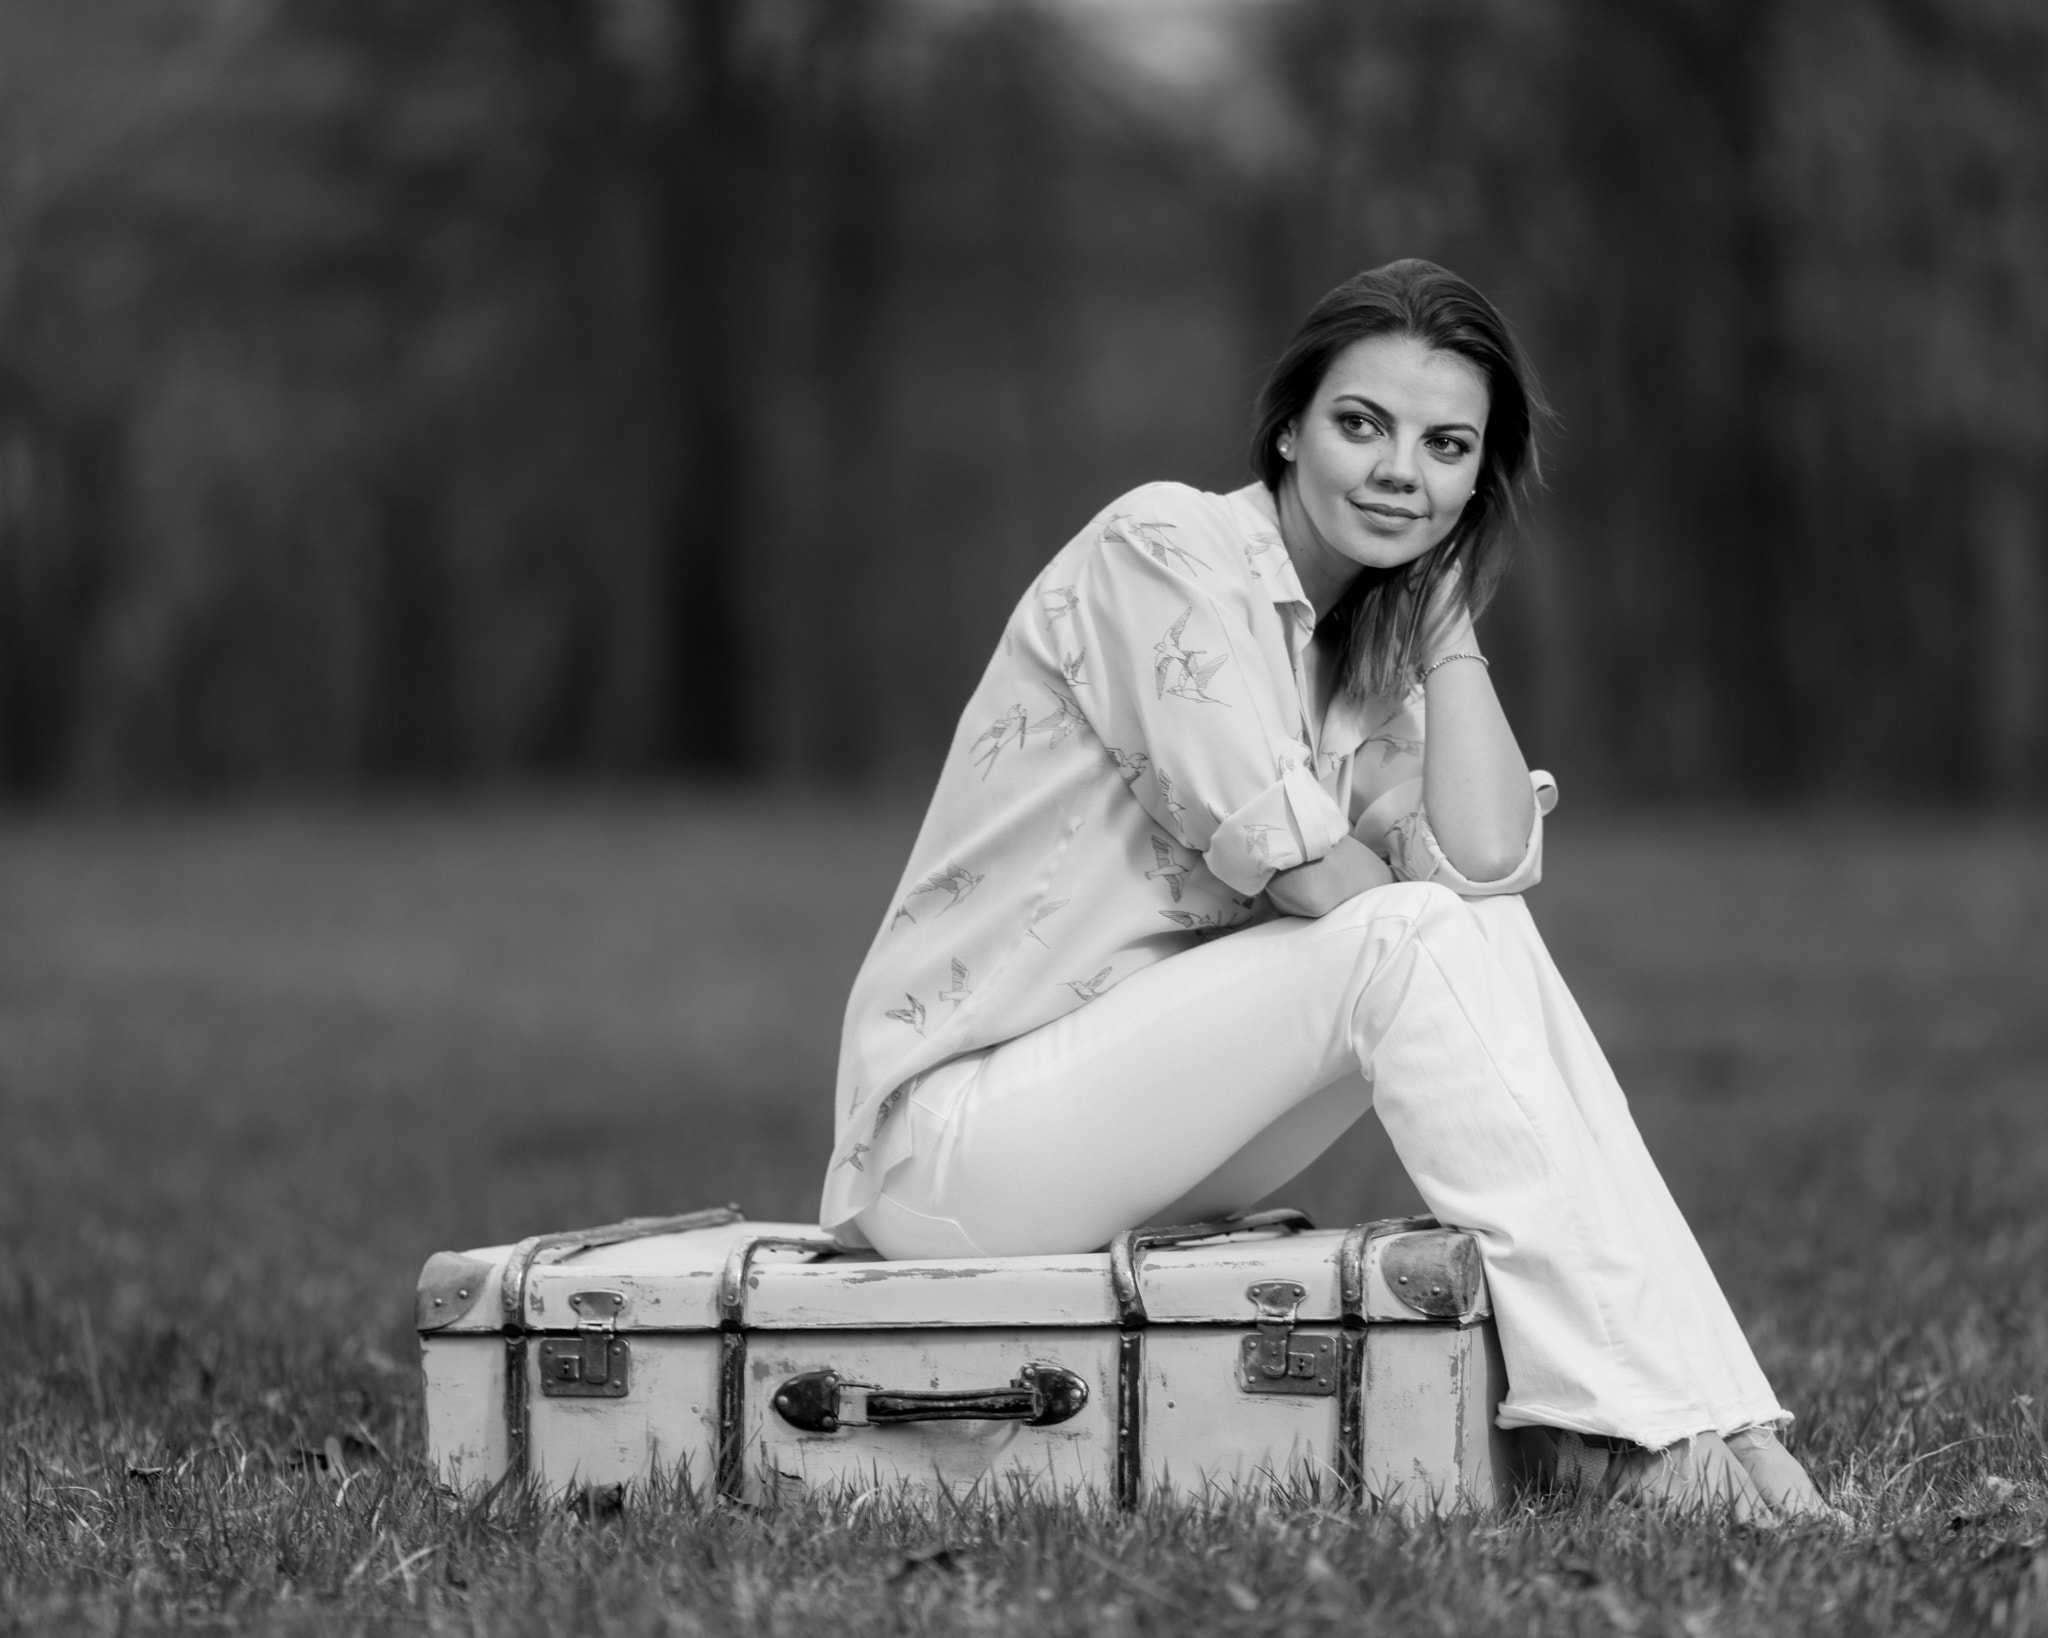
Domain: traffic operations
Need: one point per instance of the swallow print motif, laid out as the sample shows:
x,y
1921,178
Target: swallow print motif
x,y
1064,720
1051,908
1129,764
1391,746
1089,988
961,989
911,1013
1153,535
1167,868
1011,726
1174,806
1185,672
954,881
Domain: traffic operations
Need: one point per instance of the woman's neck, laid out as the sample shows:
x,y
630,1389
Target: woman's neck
x,y
1324,575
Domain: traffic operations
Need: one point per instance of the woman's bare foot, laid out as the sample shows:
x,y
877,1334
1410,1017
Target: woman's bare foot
x,y
1696,1475
1778,1477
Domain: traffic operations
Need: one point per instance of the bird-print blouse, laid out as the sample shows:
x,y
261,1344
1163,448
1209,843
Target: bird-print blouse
x,y
1137,762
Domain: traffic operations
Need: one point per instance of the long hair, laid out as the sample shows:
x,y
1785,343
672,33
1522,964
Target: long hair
x,y
1379,617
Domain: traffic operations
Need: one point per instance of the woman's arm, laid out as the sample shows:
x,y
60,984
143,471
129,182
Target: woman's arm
x,y
1151,622
1476,791
1318,887
1475,785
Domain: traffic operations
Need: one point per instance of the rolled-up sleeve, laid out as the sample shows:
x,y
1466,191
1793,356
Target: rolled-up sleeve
x,y
1414,854
1182,693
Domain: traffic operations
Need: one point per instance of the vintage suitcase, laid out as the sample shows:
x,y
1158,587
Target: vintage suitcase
x,y
750,1357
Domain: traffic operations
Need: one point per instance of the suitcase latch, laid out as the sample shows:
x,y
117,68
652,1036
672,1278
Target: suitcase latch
x,y
1274,1358
596,1362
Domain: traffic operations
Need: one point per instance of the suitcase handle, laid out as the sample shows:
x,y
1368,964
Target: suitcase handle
x,y
1040,1396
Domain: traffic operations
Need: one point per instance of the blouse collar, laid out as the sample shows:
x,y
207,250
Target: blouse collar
x,y
1344,725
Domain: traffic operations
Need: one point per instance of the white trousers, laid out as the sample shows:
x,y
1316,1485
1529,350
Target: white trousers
x,y
1202,1083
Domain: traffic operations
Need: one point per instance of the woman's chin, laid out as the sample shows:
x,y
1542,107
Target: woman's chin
x,y
1386,551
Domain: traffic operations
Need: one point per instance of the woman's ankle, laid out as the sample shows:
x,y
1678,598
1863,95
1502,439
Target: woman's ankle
x,y
1563,1460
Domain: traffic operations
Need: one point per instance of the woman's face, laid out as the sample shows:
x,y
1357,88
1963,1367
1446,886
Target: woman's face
x,y
1386,455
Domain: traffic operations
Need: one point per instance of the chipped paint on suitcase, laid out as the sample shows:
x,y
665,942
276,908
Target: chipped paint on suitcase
x,y
750,1356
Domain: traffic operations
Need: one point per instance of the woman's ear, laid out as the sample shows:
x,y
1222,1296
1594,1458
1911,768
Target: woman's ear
x,y
1283,444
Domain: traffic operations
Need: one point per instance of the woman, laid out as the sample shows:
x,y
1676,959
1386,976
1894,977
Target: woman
x,y
1207,718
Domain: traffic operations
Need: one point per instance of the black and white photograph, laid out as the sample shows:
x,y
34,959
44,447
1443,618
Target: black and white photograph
x,y
1084,817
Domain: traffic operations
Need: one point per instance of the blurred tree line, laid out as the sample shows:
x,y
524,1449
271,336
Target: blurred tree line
x,y
419,390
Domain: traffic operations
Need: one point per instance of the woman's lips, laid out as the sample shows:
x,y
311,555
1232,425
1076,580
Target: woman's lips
x,y
1377,511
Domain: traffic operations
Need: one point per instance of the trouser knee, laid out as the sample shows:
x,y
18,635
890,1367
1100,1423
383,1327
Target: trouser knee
x,y
1432,900
1419,902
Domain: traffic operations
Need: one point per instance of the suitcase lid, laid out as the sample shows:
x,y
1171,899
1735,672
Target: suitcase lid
x,y
731,1273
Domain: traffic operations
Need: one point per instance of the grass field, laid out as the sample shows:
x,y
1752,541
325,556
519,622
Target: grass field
x,y
255,1066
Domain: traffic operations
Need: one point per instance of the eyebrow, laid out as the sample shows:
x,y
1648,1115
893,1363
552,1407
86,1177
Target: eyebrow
x,y
1387,415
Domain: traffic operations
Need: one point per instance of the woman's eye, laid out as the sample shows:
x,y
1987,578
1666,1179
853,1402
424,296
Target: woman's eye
x,y
1358,426
1450,448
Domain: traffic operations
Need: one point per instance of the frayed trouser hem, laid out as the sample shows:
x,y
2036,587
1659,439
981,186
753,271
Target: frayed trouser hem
x,y
1651,1435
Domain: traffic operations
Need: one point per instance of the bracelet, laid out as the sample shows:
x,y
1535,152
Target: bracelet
x,y
1446,659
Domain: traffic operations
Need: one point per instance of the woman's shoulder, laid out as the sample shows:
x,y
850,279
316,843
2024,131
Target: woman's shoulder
x,y
1175,525
1168,497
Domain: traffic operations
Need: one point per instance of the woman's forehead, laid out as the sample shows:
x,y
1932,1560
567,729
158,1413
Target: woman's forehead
x,y
1407,377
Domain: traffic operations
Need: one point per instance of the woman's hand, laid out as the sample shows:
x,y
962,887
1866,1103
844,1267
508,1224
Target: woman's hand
x,y
1318,887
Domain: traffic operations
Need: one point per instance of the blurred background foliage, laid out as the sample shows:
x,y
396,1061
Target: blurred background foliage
x,y
426,391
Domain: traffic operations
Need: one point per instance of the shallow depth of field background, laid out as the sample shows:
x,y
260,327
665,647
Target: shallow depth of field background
x,y
501,502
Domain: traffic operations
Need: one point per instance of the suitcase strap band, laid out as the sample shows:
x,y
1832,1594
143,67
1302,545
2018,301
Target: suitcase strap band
x,y
732,1350
1126,1252
512,1303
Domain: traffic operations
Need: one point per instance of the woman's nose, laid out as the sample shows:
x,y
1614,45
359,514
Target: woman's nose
x,y
1395,468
